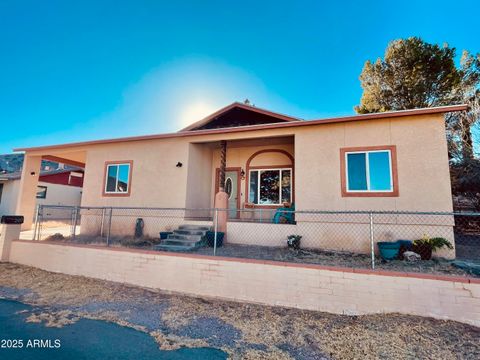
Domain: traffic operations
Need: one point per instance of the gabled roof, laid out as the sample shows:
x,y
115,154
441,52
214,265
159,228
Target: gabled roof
x,y
232,117
286,124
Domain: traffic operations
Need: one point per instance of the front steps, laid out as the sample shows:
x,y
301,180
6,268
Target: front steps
x,y
185,238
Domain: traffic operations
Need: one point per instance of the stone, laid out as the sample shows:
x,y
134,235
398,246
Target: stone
x,y
411,256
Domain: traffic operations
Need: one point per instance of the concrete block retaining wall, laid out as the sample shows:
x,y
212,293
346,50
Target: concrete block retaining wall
x,y
311,287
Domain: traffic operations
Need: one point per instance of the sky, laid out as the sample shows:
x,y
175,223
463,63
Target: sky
x,y
75,71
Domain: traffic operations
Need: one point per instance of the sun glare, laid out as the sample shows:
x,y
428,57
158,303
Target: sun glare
x,y
195,111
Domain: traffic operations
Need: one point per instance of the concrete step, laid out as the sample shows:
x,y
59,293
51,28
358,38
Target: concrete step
x,y
189,232
185,237
181,242
194,227
174,247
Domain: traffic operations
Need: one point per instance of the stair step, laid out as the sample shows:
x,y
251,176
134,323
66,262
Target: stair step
x,y
174,247
189,232
194,227
185,237
180,242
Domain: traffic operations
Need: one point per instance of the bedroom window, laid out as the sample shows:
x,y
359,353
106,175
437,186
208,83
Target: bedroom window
x,y
270,186
117,178
368,171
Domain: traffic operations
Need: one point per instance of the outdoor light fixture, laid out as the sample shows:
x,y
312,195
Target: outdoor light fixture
x,y
32,173
179,164
242,174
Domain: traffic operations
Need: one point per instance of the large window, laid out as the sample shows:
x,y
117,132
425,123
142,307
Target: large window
x,y
270,186
117,180
369,171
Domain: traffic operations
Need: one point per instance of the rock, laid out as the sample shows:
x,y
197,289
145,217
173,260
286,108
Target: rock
x,y
411,256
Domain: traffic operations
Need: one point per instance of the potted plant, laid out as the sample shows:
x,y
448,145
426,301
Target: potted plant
x,y
426,245
293,241
388,250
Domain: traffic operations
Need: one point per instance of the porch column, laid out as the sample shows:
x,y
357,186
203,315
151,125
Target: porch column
x,y
221,198
27,193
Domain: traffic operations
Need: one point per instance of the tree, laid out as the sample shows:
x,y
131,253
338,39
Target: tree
x,y
416,74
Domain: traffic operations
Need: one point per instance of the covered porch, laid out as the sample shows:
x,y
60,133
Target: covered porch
x,y
257,175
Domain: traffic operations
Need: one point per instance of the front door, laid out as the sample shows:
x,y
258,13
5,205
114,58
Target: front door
x,y
231,187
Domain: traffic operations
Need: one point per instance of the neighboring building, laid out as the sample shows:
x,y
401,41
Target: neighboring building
x,y
55,187
393,161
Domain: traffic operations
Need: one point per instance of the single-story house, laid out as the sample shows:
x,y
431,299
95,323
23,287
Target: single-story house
x,y
391,161
55,187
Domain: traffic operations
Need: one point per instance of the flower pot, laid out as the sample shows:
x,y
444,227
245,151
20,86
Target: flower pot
x,y
405,245
210,235
388,250
424,250
164,234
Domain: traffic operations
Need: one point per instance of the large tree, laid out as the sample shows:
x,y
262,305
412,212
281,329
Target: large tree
x,y
416,74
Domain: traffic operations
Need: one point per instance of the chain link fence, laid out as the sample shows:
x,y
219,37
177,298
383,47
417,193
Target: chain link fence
x,y
354,239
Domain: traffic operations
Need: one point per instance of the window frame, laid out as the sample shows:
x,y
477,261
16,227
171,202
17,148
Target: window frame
x,y
45,192
391,149
105,177
266,168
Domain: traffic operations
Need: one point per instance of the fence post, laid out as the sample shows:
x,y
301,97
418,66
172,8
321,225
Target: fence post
x,y
102,224
372,246
215,235
75,219
36,222
109,227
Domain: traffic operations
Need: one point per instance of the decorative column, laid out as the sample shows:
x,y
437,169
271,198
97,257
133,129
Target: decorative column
x,y
223,164
221,198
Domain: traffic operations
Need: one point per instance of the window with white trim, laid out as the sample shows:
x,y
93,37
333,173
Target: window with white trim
x,y
270,186
369,171
118,178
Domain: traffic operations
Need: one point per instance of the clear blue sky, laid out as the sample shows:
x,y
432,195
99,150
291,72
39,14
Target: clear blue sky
x,y
72,71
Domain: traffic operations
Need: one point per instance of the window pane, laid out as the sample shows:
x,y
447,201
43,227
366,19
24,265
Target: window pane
x,y
356,171
286,188
111,177
270,187
41,192
379,165
123,173
253,193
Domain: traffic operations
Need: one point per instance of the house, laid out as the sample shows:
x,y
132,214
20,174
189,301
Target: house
x,y
58,186
392,161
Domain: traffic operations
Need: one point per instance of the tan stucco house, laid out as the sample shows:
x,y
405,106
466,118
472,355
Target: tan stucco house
x,y
392,161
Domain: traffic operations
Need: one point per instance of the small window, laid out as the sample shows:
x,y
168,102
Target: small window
x,y
117,178
369,171
270,187
41,192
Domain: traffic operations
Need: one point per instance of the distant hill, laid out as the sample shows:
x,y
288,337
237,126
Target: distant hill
x,y
11,163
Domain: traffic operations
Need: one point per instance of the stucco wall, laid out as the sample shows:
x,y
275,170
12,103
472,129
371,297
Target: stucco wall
x,y
8,202
311,287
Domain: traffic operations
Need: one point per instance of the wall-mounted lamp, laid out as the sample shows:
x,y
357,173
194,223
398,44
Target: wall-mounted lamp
x,y
242,174
179,164
33,173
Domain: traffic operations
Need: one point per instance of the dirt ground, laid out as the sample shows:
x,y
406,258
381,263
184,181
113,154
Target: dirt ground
x,y
244,331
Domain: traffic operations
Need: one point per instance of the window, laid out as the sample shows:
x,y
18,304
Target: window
x,y
117,179
41,192
369,171
270,187
1,191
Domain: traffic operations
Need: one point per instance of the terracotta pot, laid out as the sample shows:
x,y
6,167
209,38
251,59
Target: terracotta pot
x,y
424,250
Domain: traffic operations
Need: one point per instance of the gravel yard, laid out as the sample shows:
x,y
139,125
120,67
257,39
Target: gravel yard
x,y
244,331
308,256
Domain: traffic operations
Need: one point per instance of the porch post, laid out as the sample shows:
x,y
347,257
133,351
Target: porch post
x,y
221,198
27,194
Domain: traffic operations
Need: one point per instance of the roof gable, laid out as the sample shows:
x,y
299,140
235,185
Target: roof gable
x,y
237,114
